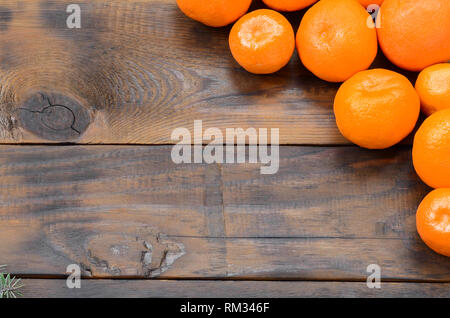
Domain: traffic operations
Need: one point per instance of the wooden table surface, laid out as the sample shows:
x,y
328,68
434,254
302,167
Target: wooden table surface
x,y
86,175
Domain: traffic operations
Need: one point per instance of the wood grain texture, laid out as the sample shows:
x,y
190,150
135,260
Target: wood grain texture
x,y
39,288
135,71
140,68
130,212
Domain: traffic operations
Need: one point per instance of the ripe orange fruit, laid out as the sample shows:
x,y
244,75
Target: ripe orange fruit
x,y
262,41
415,34
433,87
366,3
334,41
433,221
288,5
376,109
431,150
215,13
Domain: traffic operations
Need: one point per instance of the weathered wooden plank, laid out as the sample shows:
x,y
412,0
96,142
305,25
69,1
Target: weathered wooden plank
x,y
325,192
229,289
106,250
135,71
360,193
130,211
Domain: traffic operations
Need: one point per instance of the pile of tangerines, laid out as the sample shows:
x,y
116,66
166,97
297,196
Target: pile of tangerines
x,y
337,41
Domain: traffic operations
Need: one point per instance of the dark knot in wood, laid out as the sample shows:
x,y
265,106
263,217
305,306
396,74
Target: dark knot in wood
x,y
54,117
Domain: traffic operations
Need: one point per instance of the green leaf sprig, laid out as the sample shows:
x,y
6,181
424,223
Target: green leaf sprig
x,y
9,286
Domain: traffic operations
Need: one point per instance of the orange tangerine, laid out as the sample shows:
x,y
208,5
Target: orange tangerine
x,y
334,39
431,150
433,221
215,13
414,34
262,41
376,109
288,5
433,87
367,3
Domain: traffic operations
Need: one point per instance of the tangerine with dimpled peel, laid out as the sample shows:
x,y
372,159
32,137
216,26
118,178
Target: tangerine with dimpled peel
x,y
214,13
376,109
431,150
414,34
262,41
433,87
433,221
337,39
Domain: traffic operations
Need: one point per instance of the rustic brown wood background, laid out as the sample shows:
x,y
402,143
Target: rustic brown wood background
x,y
86,177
